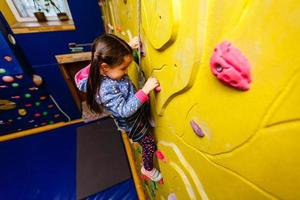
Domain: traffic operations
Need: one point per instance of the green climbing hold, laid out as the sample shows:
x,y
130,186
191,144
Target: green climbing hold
x,y
136,56
154,185
37,103
145,182
27,95
139,150
2,71
45,113
15,85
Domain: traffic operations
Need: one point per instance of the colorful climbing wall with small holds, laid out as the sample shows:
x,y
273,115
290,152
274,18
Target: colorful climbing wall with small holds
x,y
24,101
227,116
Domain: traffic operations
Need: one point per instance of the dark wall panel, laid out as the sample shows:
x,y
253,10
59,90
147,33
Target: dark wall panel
x,y
40,49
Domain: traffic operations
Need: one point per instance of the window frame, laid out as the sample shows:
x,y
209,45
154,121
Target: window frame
x,y
18,17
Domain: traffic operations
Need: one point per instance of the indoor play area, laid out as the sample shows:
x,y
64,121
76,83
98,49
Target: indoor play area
x,y
224,118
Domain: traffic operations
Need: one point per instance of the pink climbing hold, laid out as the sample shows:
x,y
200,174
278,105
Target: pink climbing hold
x,y
157,89
8,58
230,66
160,156
8,79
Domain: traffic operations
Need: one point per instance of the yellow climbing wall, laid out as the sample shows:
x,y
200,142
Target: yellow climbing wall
x,y
250,149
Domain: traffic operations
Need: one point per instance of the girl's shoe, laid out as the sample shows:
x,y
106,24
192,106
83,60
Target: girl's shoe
x,y
154,174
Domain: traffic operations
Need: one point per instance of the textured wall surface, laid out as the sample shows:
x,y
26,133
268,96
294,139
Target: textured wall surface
x,y
250,144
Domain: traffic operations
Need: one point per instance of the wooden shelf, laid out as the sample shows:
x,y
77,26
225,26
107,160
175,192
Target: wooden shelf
x,y
37,27
73,57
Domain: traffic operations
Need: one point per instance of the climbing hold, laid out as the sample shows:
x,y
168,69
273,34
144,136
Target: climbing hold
x,y
22,112
154,185
145,178
161,181
31,121
230,66
11,39
56,115
20,77
3,86
51,122
8,79
196,128
135,144
45,113
6,104
15,85
28,105
8,58
37,103
172,196
110,26
136,56
160,156
118,28
37,114
139,149
33,88
27,95
2,71
50,106
15,97
157,89
145,182
43,97
37,80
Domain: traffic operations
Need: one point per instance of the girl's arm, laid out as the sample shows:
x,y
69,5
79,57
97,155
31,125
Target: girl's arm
x,y
113,100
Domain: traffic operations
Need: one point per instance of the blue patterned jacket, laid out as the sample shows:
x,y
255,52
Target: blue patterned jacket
x,y
125,104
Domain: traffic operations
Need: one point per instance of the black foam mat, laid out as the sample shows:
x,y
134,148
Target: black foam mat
x,y
101,158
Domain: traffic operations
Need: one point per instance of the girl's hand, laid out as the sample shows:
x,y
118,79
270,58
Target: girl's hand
x,y
134,42
150,84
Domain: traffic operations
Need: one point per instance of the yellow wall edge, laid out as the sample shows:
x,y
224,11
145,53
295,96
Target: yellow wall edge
x,y
10,18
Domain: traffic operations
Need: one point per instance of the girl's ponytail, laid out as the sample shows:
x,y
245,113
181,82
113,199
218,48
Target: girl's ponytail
x,y
93,84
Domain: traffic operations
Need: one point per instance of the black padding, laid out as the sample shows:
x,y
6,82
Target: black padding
x,y
101,158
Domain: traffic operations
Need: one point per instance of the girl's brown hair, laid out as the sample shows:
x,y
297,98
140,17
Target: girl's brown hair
x,y
108,49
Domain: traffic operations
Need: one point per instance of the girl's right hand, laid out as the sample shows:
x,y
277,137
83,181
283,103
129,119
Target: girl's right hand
x,y
150,84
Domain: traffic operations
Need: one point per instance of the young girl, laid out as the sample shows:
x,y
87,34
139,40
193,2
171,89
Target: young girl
x,y
109,88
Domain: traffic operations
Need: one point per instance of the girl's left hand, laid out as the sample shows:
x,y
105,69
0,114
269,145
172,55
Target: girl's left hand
x,y
134,42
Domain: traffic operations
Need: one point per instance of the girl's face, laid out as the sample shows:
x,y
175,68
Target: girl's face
x,y
116,72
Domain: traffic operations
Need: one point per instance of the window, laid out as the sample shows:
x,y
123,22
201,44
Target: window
x,y
23,9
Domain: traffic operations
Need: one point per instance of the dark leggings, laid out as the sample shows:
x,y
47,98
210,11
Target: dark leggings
x,y
148,146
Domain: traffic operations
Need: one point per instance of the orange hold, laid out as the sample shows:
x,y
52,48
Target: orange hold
x,y
118,28
161,181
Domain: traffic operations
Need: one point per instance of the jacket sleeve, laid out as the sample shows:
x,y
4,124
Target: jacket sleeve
x,y
114,101
81,78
